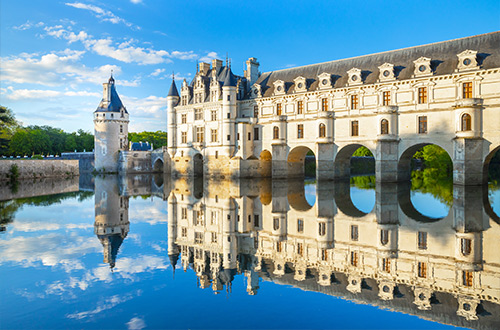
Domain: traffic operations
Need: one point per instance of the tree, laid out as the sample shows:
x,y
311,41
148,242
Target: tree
x,y
158,138
8,125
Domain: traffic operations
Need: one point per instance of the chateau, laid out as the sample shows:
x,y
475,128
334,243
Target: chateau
x,y
263,124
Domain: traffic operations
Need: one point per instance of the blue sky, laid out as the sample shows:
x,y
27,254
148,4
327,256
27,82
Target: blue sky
x,y
56,54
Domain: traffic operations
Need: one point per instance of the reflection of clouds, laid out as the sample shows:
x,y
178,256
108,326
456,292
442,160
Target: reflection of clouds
x,y
50,249
136,323
151,214
26,226
105,305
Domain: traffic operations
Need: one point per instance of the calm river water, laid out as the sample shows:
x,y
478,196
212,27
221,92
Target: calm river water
x,y
144,252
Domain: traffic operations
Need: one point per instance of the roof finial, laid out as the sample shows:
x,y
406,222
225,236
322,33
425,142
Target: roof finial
x,y
226,58
197,65
230,63
173,75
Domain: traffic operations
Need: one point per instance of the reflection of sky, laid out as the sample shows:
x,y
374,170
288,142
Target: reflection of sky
x,y
363,199
53,276
310,192
428,205
494,197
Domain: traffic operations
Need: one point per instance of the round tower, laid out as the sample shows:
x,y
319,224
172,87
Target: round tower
x,y
110,129
172,101
229,113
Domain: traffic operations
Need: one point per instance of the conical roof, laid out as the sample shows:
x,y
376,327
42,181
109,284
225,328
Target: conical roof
x,y
230,79
173,90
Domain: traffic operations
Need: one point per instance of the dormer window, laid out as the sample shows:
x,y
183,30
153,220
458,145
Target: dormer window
x,y
256,91
422,67
467,60
386,72
325,81
354,77
279,87
300,84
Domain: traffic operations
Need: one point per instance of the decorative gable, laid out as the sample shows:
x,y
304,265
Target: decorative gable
x,y
300,84
325,81
386,72
256,91
422,67
354,77
279,87
467,60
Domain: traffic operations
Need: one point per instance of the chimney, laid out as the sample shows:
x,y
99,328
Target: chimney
x,y
204,68
252,71
216,64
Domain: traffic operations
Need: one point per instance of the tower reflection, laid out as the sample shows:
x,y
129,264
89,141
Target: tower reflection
x,y
444,269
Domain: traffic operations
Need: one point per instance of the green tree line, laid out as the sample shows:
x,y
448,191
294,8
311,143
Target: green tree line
x,y
158,138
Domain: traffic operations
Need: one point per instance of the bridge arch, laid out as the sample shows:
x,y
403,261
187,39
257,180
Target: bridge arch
x,y
405,159
297,160
408,208
158,166
266,163
342,162
296,196
487,163
198,165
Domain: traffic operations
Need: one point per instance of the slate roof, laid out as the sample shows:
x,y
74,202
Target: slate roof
x,y
173,90
140,146
443,57
115,104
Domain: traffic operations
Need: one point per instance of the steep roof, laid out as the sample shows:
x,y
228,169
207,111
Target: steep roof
x,y
114,104
173,90
230,79
443,57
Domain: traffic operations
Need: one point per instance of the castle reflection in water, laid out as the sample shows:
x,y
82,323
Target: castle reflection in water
x,y
446,270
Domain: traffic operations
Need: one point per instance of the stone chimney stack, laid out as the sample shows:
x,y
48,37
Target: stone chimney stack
x,y
252,71
204,68
216,64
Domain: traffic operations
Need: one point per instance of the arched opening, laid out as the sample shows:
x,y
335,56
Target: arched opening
x,y
353,202
301,196
301,163
352,160
198,165
276,133
322,130
158,166
491,171
420,206
466,122
266,164
384,127
429,169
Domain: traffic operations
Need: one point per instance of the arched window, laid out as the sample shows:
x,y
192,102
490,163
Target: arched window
x,y
276,132
322,130
384,126
466,122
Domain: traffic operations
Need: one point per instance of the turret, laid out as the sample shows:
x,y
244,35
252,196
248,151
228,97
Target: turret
x,y
229,112
173,248
111,129
252,71
172,101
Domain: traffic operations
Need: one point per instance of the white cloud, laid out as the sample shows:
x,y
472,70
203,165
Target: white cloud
x,y
184,55
28,25
31,94
107,304
126,53
56,69
209,57
157,72
136,1
103,14
136,323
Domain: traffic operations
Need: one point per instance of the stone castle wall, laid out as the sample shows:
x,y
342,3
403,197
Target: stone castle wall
x,y
86,160
38,168
38,187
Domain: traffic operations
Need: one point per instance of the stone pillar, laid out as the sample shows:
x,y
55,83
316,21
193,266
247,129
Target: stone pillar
x,y
280,167
386,209
386,160
324,161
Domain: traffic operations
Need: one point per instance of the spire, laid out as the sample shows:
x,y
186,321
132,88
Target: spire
x,y
111,79
173,89
230,79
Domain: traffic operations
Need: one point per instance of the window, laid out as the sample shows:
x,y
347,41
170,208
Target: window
x,y
300,225
276,223
422,240
256,220
300,131
354,128
324,104
467,278
121,128
467,90
354,102
300,249
198,218
198,238
466,122
386,265
278,109
322,130
184,213
229,97
354,258
321,229
214,237
276,132
184,100
300,107
465,246
422,269
214,135
422,124
183,137
384,126
183,118
384,236
324,255
256,111
214,115
184,232
422,95
200,134
354,233
386,98
213,218
198,114
255,133
278,246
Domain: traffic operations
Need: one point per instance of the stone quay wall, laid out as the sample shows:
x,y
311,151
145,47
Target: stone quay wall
x,y
38,168
86,160
38,187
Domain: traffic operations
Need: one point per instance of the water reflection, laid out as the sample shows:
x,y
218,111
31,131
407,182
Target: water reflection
x,y
441,267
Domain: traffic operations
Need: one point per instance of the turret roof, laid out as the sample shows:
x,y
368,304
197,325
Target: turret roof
x,y
230,79
114,104
173,90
